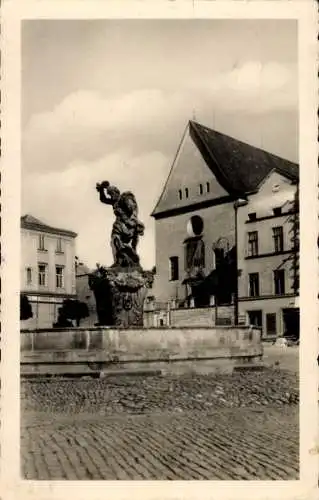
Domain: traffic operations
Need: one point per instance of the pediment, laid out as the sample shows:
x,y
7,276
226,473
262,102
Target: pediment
x,y
190,180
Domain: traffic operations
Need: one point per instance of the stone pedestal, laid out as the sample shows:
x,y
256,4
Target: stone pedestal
x,y
120,294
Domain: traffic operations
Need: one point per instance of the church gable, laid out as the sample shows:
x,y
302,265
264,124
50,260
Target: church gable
x,y
190,180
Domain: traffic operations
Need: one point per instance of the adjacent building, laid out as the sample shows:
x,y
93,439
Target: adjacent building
x,y
268,256
204,235
47,269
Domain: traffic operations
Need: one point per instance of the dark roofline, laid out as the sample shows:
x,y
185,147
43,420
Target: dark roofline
x,y
242,189
209,158
171,212
46,229
197,126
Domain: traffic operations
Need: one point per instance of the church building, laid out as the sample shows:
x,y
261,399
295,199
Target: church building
x,y
200,218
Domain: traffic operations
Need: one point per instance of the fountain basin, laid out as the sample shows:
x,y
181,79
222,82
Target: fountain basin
x,y
168,350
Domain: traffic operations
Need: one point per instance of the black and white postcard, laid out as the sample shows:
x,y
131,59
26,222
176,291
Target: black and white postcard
x,y
159,254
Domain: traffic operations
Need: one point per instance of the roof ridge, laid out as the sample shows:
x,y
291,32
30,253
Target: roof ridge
x,y
238,167
220,174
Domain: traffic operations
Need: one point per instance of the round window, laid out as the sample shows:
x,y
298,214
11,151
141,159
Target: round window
x,y
195,226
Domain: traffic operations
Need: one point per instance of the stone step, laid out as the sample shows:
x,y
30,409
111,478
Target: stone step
x,y
93,374
249,366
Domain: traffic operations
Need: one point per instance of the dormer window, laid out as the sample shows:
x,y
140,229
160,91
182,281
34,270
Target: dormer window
x,y
180,194
201,189
252,216
277,211
186,192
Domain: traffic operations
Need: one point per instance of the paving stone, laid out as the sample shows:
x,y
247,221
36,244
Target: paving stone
x,y
243,426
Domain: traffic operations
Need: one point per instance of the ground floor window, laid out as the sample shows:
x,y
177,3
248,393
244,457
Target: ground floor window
x,y
255,318
271,324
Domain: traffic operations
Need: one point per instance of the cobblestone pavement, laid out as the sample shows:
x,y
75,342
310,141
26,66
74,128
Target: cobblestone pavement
x,y
286,358
243,426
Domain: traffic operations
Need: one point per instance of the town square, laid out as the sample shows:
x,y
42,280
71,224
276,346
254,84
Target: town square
x,y
159,300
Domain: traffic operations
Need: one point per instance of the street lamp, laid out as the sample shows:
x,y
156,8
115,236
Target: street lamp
x,y
238,203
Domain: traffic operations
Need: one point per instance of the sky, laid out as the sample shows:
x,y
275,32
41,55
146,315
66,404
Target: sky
x,y
110,99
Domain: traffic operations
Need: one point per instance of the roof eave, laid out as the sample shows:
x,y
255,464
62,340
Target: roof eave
x,y
48,229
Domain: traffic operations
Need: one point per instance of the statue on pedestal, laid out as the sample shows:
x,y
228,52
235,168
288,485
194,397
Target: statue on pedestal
x,y
127,228
120,289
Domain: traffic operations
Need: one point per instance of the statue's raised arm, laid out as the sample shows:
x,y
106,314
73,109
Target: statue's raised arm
x,y
108,194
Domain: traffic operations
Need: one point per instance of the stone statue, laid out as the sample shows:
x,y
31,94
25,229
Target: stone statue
x,y
127,228
120,289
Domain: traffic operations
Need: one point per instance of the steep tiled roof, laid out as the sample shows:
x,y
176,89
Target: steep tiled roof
x,y
239,167
29,222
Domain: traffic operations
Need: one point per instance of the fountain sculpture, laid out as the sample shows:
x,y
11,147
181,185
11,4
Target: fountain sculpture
x,y
120,289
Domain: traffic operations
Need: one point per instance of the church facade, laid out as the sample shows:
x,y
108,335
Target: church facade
x,y
200,220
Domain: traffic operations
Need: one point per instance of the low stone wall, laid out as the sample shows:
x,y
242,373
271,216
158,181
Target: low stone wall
x,y
168,349
190,317
201,316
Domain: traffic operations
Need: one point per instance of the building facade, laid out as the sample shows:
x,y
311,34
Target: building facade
x,y
47,269
200,223
268,257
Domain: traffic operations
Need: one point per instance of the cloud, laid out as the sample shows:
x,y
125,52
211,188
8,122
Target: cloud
x,y
254,88
86,125
131,139
69,199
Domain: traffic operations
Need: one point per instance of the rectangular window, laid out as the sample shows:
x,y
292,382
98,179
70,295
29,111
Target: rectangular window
x,y
174,271
252,216
279,281
278,237
186,192
59,245
277,211
271,326
255,318
253,243
201,189
254,285
29,275
180,194
59,276
207,187
41,242
42,274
